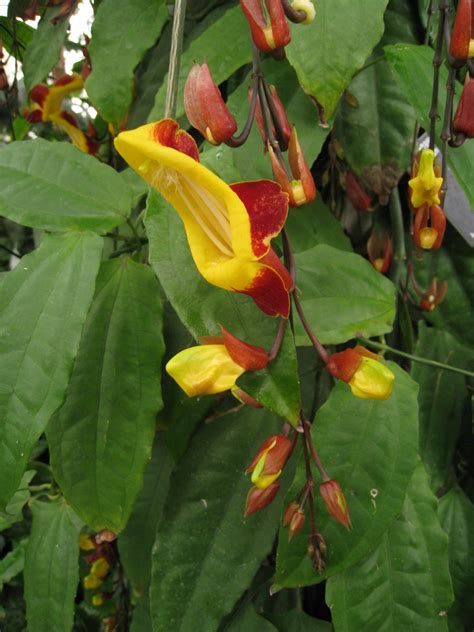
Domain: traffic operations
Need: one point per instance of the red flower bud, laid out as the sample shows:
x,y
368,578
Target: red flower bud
x,y
267,36
335,502
358,196
434,295
282,118
296,524
429,227
245,398
205,107
290,511
462,37
463,122
258,499
249,357
269,461
379,250
301,189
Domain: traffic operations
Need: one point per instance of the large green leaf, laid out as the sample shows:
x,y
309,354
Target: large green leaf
x,y
44,49
23,33
247,619
12,563
101,438
203,307
44,303
298,621
14,510
404,584
370,447
136,540
206,552
454,263
441,401
122,31
52,567
225,45
456,513
342,296
375,129
327,53
413,69
54,186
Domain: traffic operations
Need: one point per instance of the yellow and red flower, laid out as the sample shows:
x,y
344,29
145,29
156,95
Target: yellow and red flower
x,y
434,295
362,370
214,366
268,33
229,227
462,38
425,183
379,250
268,463
47,101
429,227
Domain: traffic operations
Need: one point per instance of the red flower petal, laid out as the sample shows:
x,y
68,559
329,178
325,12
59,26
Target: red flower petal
x,y
269,292
64,80
167,133
267,206
247,356
39,93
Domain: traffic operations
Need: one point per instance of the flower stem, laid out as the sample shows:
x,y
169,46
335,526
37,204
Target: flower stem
x,y
312,449
175,58
409,356
278,340
396,219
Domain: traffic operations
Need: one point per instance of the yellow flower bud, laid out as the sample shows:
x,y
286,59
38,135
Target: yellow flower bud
x,y
86,542
91,581
372,380
100,568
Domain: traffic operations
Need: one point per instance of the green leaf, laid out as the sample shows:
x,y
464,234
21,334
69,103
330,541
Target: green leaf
x,y
101,438
40,327
121,33
206,552
203,307
44,48
370,447
225,45
456,513
277,386
342,296
454,263
247,619
328,52
404,584
14,510
298,621
12,564
136,540
54,186
441,401
23,34
141,621
413,69
376,133
314,225
52,567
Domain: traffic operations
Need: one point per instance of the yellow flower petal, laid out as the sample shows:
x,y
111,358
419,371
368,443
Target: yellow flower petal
x,y
204,370
425,186
372,380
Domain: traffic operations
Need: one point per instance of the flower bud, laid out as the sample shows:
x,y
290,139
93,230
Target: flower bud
x,y
308,7
258,498
90,582
87,542
365,374
379,250
429,227
425,185
462,37
205,107
301,189
296,524
289,512
271,35
100,568
283,133
335,502
434,295
98,599
356,193
463,122
245,398
270,460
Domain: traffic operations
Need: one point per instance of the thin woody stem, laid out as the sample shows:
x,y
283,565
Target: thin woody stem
x,y
437,61
310,485
446,131
237,141
312,449
276,119
278,340
175,58
409,356
396,220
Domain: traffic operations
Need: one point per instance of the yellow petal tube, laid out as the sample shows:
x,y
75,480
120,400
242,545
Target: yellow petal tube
x,y
59,91
260,480
425,186
77,136
204,370
372,380
215,219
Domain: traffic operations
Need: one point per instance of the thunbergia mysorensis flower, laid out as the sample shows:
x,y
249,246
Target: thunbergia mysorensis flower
x,y
335,502
356,193
362,370
434,295
268,33
425,183
229,227
47,101
463,122
268,463
214,366
258,498
462,38
429,227
379,250
205,107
